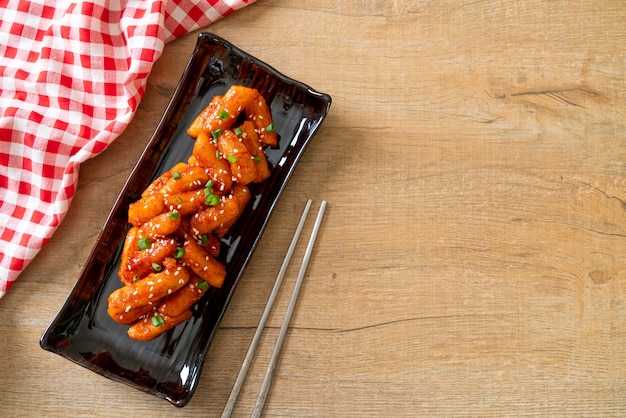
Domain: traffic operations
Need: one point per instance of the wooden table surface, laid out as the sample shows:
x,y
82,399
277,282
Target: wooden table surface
x,y
472,258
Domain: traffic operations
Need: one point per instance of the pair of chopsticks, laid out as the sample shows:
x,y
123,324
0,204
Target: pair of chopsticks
x,y
269,373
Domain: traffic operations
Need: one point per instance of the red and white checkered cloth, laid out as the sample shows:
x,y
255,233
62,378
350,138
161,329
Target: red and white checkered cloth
x,y
71,77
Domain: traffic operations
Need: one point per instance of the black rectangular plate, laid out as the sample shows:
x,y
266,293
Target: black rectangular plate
x,y
169,366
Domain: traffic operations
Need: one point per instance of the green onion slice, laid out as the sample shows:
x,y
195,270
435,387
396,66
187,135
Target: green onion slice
x,y
203,285
212,200
204,239
238,131
144,243
180,251
216,133
174,215
156,267
223,114
176,175
157,321
270,128
232,159
257,159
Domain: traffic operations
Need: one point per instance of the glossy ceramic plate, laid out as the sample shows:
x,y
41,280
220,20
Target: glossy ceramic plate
x,y
169,367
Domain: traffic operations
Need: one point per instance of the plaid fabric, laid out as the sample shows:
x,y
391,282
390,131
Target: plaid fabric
x,y
71,77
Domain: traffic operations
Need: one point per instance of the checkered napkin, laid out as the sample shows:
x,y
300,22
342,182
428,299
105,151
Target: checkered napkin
x,y
72,74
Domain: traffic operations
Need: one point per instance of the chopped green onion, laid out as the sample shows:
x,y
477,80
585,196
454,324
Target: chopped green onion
x,y
207,188
232,159
257,159
144,243
204,239
156,267
218,155
216,133
212,200
238,131
178,199
174,215
223,114
270,128
203,285
180,251
175,175
157,321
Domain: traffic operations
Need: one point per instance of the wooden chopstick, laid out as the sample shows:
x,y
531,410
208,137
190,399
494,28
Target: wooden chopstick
x,y
271,367
241,377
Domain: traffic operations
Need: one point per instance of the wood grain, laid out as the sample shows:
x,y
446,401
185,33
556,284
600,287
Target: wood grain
x,y
471,258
